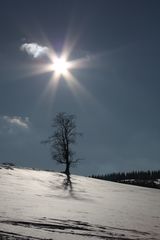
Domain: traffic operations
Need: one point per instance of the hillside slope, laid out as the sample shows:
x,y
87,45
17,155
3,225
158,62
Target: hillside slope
x,y
36,205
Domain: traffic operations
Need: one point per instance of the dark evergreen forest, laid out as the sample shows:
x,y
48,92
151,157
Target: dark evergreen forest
x,y
140,178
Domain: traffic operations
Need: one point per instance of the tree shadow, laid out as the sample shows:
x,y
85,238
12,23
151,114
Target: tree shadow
x,y
69,189
67,184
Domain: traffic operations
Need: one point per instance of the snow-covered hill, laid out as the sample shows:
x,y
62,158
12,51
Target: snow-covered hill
x,y
36,205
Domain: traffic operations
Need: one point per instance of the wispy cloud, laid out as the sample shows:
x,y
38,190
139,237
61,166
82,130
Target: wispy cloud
x,y
17,121
34,49
13,124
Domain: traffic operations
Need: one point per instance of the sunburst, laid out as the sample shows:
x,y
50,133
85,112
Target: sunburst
x,y
60,66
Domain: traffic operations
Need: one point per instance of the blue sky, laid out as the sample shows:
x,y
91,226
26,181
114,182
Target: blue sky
x,y
117,107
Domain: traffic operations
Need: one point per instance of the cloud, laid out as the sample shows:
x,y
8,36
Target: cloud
x,y
13,124
34,49
17,121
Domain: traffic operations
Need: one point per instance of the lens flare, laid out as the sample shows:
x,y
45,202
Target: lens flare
x,y
60,66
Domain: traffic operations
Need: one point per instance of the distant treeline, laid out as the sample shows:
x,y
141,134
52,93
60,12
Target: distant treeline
x,y
136,175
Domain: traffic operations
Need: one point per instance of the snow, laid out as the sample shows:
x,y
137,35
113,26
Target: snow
x,y
35,205
157,182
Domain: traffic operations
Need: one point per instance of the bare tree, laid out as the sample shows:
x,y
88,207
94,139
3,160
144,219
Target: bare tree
x,y
62,141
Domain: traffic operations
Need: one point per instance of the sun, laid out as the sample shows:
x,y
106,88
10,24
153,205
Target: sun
x,y
60,66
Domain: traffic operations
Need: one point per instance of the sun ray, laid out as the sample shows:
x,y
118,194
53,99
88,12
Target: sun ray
x,y
50,91
69,46
61,67
28,71
76,87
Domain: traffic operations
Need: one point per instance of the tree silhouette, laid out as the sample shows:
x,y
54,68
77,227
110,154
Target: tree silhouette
x,y
62,141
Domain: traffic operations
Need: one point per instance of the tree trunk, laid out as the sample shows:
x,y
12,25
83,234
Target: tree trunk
x,y
67,171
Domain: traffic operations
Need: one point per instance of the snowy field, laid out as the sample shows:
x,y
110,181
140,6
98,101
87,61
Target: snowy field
x,y
36,205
